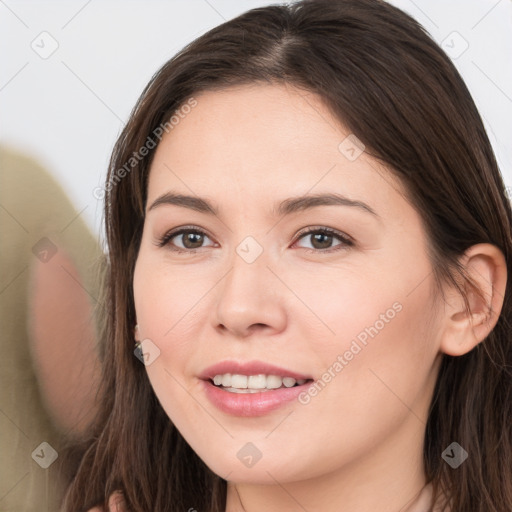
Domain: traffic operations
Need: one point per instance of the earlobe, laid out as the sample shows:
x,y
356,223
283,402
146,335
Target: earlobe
x,y
486,267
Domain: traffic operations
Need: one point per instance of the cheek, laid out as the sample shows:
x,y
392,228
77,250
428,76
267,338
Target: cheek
x,y
166,314
379,363
378,342
166,298
354,304
168,307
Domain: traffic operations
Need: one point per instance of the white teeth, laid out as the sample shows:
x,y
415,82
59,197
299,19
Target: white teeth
x,y
289,382
257,382
274,382
239,381
253,383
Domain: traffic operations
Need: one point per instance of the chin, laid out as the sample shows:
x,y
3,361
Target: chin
x,y
262,472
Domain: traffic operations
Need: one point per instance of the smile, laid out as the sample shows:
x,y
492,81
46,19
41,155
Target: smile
x,y
236,383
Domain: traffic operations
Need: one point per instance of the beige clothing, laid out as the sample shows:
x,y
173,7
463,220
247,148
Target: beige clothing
x,y
36,218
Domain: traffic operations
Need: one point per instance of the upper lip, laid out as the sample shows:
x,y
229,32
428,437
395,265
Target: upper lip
x,y
249,368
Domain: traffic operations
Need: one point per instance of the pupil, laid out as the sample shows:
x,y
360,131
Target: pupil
x,y
326,238
190,238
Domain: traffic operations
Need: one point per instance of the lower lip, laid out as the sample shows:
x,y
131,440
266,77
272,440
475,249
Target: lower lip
x,y
251,404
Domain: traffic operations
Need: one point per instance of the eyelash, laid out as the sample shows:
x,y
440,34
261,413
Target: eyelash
x,y
345,239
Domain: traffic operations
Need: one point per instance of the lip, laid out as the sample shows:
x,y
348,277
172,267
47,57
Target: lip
x,y
250,404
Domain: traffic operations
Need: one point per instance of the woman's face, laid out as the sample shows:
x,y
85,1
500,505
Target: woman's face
x,y
349,310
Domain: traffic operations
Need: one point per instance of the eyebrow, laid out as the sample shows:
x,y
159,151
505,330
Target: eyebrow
x,y
286,207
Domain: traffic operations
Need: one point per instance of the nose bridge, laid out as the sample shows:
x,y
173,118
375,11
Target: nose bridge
x,y
248,272
249,294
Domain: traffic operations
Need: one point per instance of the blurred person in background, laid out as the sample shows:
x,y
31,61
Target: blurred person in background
x,y
50,277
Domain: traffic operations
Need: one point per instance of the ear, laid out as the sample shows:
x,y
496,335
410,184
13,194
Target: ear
x,y
486,266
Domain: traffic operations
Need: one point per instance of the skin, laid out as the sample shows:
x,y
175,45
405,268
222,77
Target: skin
x,y
357,445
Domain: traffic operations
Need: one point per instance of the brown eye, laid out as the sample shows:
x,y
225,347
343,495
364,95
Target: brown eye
x,y
321,240
192,240
184,240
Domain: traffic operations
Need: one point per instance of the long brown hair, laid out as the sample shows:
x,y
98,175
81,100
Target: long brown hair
x,y
385,79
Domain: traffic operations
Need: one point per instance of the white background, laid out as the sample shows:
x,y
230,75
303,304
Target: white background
x,y
68,109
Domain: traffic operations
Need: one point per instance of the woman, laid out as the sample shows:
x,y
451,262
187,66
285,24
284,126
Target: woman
x,y
307,225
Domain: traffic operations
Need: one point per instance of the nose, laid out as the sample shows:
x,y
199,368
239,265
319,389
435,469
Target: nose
x,y
250,299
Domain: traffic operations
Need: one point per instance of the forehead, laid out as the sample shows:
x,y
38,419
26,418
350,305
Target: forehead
x,y
260,142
